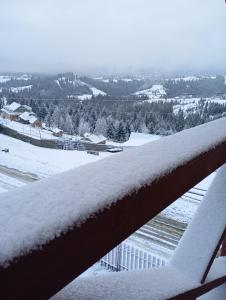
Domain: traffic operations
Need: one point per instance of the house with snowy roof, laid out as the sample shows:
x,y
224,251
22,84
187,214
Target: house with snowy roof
x,y
30,118
14,110
57,131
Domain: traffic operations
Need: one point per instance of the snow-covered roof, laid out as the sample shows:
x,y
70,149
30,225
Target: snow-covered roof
x,y
13,106
33,119
95,138
4,109
27,107
28,116
56,130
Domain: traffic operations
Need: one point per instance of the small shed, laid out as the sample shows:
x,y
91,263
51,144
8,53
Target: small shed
x,y
92,138
57,132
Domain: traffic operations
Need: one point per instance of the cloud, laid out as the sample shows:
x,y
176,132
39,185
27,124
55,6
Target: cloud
x,y
112,35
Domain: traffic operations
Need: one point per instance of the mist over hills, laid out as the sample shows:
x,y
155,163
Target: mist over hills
x,y
71,86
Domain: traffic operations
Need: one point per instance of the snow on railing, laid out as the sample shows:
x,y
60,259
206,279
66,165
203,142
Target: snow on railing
x,y
66,223
202,235
191,259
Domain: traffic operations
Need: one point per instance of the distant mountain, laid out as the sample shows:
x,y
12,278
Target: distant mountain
x,y
70,86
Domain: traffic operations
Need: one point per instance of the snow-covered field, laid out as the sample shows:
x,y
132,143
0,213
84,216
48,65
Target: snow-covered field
x,y
40,161
155,93
190,104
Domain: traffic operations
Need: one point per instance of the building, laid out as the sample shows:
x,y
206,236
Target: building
x,y
14,110
30,118
57,132
92,138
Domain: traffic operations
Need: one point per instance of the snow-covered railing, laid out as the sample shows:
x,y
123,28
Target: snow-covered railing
x,y
54,229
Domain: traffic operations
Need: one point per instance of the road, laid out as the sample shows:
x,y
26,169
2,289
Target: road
x,y
12,178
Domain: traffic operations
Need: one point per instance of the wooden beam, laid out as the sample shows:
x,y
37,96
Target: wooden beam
x,y
213,256
223,246
201,290
45,271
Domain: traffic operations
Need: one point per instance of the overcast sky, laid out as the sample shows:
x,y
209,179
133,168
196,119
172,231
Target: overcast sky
x,y
112,36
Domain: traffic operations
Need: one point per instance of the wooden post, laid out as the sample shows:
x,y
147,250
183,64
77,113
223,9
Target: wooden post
x,y
223,247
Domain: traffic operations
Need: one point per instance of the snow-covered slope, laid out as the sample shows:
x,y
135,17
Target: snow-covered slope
x,y
156,92
20,88
41,161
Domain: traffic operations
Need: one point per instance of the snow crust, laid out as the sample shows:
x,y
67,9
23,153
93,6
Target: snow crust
x,y
154,284
202,236
217,270
138,139
45,209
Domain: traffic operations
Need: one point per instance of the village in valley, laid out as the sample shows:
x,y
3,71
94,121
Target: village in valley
x,y
20,121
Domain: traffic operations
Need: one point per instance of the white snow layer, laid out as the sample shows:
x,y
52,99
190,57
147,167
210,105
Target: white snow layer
x,y
40,161
153,284
20,88
138,139
203,234
45,209
97,92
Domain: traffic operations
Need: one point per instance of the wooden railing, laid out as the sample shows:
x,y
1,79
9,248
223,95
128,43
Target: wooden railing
x,y
43,271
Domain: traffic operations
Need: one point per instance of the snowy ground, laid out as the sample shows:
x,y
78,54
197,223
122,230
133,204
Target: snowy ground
x,y
26,129
7,183
40,161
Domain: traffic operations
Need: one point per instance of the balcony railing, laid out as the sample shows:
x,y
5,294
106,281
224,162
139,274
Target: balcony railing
x,y
53,230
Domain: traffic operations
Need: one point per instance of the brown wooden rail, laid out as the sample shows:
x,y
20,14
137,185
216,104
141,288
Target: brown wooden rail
x,y
201,290
42,273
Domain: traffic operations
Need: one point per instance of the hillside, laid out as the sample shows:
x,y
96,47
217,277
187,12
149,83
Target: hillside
x,y
71,86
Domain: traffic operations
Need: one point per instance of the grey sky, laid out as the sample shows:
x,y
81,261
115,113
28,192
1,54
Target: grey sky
x,y
94,36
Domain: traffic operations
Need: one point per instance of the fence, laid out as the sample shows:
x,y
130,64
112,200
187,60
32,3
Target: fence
x,y
28,139
126,257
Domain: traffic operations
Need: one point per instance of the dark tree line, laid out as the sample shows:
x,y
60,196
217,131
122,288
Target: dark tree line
x,y
115,118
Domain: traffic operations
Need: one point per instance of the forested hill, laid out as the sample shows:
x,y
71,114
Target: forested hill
x,y
116,106
71,86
